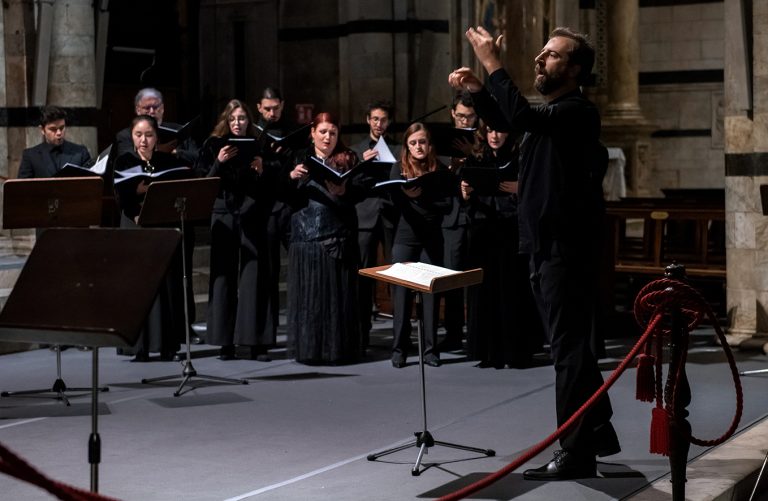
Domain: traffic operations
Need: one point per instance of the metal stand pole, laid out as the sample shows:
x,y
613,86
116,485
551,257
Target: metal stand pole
x,y
189,371
94,441
424,439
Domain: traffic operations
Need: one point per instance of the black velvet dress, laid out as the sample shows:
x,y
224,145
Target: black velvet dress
x,y
503,326
323,312
238,305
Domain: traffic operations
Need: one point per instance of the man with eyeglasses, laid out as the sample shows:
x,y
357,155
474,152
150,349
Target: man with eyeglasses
x,y
48,157
375,215
149,101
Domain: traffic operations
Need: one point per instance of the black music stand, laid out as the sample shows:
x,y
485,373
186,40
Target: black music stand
x,y
46,203
169,202
81,286
424,439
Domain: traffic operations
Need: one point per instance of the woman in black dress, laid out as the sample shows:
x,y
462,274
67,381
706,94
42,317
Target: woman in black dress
x,y
239,270
164,328
323,316
418,237
502,324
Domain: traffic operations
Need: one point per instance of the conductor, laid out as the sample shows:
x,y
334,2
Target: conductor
x,y
559,210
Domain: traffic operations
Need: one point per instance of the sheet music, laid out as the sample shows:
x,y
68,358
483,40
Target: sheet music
x,y
100,167
384,153
418,273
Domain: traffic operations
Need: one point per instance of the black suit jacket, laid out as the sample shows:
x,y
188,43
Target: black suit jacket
x,y
38,161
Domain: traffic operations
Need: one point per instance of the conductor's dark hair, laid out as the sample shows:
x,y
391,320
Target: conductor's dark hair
x,y
147,92
464,98
380,104
144,118
50,114
271,93
583,53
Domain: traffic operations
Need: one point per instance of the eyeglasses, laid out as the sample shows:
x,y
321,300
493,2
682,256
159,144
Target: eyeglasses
x,y
377,120
238,118
465,118
150,107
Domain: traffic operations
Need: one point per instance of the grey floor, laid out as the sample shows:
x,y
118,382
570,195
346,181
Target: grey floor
x,y
297,432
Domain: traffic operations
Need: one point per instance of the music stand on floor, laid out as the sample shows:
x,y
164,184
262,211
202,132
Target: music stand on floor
x,y
428,283
88,287
171,202
48,203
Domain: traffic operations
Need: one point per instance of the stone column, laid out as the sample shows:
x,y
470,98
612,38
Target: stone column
x,y
746,159
72,70
623,122
524,37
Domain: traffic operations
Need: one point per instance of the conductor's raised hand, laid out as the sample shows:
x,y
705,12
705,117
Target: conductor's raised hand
x,y
487,50
465,79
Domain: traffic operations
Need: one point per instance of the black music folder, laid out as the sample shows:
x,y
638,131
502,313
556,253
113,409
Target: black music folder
x,y
247,147
445,140
169,131
485,180
294,140
438,181
319,172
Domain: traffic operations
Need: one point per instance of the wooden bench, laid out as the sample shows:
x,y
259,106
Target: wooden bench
x,y
646,234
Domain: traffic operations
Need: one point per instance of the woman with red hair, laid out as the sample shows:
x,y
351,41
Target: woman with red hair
x,y
323,317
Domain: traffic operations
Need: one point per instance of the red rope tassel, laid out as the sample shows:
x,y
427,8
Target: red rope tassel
x,y
660,431
646,383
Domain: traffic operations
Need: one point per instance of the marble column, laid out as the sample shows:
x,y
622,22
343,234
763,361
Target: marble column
x,y
524,37
746,168
623,122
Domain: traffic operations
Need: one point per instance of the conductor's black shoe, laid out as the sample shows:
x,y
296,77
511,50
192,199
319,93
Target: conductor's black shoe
x,y
227,352
398,360
566,465
432,360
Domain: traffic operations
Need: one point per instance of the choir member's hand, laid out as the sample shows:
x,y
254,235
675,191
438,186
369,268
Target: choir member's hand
x,y
508,186
142,188
168,147
369,154
465,79
486,49
299,172
336,190
412,192
257,164
466,190
226,153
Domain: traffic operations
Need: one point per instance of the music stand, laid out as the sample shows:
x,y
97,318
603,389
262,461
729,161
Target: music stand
x,y
46,203
169,202
81,286
424,439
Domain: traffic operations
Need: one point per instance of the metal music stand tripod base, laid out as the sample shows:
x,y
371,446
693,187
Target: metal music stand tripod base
x,y
424,439
190,199
58,389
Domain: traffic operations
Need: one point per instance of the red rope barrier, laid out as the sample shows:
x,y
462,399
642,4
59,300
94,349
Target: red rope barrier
x,y
654,302
13,465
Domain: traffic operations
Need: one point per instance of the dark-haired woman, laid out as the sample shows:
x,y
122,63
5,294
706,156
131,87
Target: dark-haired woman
x,y
418,237
164,328
503,327
239,269
323,316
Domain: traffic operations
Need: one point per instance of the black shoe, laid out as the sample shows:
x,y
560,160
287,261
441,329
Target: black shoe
x,y
141,356
566,465
432,360
259,353
227,352
168,356
398,360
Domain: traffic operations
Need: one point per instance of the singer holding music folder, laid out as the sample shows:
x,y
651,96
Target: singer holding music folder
x,y
164,328
418,236
503,328
323,316
240,274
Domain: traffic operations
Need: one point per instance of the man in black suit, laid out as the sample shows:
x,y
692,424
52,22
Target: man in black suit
x,y
559,210
48,157
375,215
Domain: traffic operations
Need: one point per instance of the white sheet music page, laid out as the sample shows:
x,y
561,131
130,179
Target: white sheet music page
x,y
417,273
